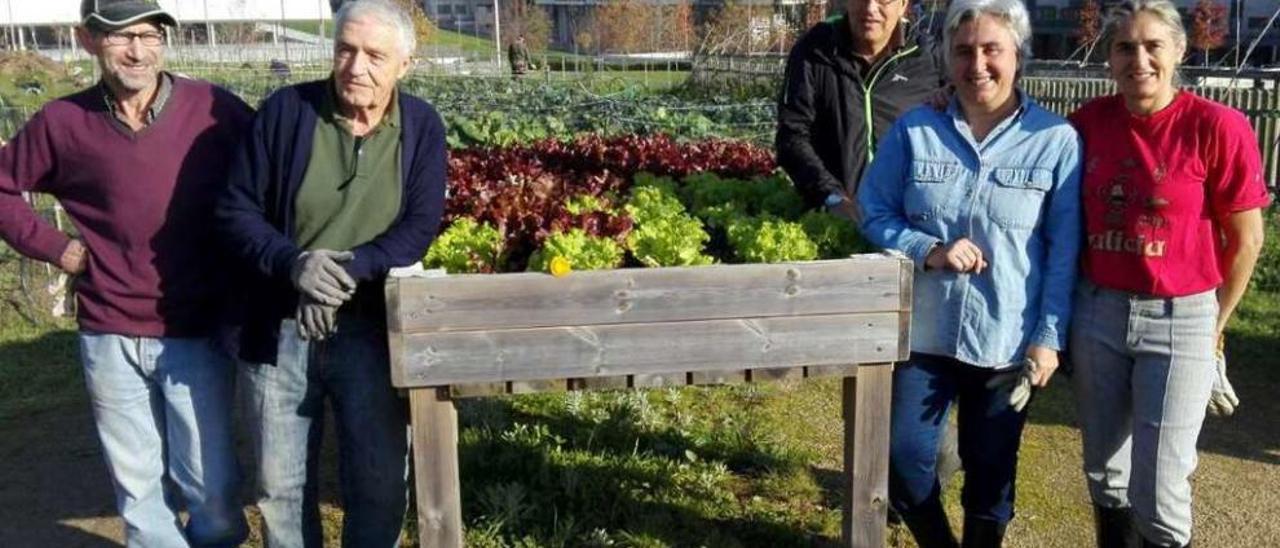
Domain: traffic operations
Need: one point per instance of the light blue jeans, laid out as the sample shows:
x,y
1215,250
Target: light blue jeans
x,y
163,411
1143,372
285,413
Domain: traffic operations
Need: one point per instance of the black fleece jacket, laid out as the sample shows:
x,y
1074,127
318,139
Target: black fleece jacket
x,y
834,108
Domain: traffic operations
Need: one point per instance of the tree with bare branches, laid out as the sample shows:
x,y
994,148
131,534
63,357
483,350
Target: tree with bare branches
x,y
1208,27
1090,29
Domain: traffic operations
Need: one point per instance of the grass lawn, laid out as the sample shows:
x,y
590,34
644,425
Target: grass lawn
x,y
753,465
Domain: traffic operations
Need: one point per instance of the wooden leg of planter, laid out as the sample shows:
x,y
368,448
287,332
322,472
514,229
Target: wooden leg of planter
x,y
435,460
866,455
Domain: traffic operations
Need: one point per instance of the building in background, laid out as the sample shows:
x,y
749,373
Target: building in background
x,y
1056,23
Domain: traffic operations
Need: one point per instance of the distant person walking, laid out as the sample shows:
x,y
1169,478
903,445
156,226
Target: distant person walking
x,y
137,162
518,56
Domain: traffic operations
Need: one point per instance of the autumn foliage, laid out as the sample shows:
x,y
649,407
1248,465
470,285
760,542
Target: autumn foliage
x,y
1208,27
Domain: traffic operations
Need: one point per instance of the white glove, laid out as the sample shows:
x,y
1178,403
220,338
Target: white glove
x,y
1017,383
1222,400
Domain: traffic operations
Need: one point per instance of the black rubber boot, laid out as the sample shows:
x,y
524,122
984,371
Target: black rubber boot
x,y
930,528
982,533
1115,527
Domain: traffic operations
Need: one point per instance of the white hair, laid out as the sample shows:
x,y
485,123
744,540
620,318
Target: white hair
x,y
387,12
1011,12
1164,10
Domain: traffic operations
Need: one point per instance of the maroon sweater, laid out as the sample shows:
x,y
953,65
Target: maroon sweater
x,y
142,202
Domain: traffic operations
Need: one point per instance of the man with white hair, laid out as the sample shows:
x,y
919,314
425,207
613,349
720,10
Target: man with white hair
x,y
340,180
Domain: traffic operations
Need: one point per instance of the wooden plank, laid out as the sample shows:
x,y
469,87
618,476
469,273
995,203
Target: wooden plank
x,y
718,376
775,374
546,385
866,455
660,380
442,358
602,383
435,461
395,343
477,389
815,371
647,295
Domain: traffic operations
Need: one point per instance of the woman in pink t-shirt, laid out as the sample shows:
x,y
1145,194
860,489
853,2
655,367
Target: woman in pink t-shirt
x,y
1173,197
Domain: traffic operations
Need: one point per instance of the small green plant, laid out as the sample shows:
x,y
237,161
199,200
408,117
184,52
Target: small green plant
x,y
466,247
582,251
664,234
766,240
836,236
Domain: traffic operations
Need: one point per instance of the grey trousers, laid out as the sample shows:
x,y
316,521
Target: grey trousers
x,y
1143,372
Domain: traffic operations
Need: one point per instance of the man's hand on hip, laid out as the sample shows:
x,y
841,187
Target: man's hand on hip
x,y
75,258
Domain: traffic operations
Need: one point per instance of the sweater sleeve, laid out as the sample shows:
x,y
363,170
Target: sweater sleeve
x,y
241,211
406,241
884,221
26,165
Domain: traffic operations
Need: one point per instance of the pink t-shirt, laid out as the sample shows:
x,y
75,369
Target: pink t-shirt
x,y
1154,188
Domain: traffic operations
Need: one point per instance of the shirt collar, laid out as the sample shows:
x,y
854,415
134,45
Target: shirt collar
x,y
1024,103
163,93
390,118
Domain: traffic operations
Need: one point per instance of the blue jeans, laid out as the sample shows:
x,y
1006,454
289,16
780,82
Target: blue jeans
x,y
924,389
285,413
1144,369
163,410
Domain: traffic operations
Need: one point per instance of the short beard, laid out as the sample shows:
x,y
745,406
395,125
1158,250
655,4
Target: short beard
x,y
116,80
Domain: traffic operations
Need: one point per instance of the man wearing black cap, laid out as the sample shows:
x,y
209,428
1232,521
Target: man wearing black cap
x,y
137,161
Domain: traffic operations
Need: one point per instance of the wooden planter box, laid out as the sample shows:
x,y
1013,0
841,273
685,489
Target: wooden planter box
x,y
475,335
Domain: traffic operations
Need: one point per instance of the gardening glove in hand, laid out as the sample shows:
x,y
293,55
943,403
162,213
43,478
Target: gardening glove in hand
x,y
1222,400
316,321
318,275
1017,383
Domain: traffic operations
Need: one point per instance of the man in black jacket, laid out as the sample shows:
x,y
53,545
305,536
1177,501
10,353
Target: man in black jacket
x,y
847,80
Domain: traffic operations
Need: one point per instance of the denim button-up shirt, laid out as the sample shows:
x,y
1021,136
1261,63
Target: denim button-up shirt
x,y
1016,195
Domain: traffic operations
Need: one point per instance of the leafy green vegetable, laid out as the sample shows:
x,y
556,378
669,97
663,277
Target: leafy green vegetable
x,y
664,234
837,237
767,240
466,247
584,252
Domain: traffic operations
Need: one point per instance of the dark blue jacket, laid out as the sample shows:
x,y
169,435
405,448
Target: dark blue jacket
x,y
255,213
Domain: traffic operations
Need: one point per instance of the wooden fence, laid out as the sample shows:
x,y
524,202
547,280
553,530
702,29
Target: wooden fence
x,y
1059,92
482,334
1260,106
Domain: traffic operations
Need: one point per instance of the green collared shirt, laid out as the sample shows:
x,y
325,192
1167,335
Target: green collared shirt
x,y
352,187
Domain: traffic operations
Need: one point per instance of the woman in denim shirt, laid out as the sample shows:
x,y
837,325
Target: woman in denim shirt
x,y
984,197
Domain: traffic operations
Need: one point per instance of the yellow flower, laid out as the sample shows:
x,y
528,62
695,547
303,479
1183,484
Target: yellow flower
x,y
560,266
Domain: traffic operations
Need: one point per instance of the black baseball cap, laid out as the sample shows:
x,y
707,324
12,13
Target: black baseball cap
x,y
114,14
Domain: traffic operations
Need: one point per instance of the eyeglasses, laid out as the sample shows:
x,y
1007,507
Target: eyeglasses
x,y
882,3
119,38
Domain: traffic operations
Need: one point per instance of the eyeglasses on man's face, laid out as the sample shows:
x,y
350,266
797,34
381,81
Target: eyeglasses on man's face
x,y
121,38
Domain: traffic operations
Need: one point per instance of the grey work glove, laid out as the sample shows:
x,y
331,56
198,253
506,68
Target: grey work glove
x,y
1016,382
318,275
316,321
1222,400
